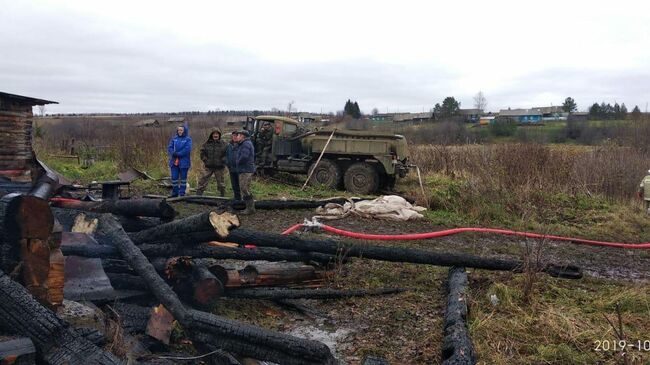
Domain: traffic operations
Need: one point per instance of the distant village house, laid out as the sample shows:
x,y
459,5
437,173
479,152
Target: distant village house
x,y
148,123
470,115
522,116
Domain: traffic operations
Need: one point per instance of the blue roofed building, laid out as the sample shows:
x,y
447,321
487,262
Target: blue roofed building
x,y
523,116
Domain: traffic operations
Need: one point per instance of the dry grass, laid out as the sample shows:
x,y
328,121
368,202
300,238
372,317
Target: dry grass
x,y
610,171
560,324
123,144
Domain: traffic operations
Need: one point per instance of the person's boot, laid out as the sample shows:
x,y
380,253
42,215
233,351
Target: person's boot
x,y
222,192
250,205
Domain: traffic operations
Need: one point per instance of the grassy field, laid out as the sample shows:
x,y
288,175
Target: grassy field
x,y
560,323
567,189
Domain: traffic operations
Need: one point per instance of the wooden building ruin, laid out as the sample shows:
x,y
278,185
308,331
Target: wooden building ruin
x,y
17,159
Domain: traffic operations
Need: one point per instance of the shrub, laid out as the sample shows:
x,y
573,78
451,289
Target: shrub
x,y
503,127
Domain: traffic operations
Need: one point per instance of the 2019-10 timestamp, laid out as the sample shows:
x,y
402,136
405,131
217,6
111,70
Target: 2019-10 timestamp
x,y
621,345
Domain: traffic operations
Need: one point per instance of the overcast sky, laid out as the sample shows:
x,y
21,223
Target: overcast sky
x,y
146,56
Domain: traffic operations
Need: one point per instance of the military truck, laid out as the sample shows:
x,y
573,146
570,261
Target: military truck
x,y
362,162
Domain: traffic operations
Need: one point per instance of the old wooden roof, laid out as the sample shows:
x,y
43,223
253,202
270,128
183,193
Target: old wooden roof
x,y
25,99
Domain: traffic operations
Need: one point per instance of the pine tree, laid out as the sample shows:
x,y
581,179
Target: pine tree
x,y
356,112
347,109
616,112
623,113
449,108
595,111
569,105
636,113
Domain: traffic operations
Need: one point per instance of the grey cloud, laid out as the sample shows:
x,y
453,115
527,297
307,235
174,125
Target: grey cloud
x,y
584,85
90,67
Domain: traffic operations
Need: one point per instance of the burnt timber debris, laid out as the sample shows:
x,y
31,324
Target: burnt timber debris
x,y
143,270
176,264
457,348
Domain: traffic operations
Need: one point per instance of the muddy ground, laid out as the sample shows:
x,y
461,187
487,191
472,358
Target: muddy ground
x,y
405,328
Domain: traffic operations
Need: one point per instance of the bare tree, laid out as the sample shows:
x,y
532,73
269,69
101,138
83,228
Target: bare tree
x,y
480,102
41,110
375,111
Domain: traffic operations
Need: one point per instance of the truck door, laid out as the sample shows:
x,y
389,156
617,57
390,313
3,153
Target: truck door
x,y
284,144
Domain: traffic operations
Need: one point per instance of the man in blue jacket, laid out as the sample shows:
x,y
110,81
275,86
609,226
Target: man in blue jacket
x,y
180,151
245,166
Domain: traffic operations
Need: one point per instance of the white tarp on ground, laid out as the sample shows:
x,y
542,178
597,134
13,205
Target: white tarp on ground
x,y
385,207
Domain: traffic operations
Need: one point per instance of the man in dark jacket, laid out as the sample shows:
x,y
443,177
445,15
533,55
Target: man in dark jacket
x,y
213,155
245,166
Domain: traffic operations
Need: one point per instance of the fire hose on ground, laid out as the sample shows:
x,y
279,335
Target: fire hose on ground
x,y
454,231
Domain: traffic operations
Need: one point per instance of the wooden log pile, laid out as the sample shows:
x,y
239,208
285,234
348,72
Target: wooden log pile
x,y
167,282
160,273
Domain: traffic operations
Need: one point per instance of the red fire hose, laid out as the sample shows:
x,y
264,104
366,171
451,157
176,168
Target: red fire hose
x,y
449,232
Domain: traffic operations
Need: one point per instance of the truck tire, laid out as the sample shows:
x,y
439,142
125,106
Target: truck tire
x,y
361,178
328,173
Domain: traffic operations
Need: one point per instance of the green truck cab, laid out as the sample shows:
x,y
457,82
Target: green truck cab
x,y
362,162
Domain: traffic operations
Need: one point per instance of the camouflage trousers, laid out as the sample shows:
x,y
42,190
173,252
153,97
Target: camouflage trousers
x,y
245,179
205,178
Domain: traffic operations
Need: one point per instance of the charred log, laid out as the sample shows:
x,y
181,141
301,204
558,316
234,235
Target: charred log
x,y
207,250
203,283
133,318
204,250
126,207
126,281
193,281
276,274
218,225
57,342
231,335
93,335
268,347
350,249
393,254
457,348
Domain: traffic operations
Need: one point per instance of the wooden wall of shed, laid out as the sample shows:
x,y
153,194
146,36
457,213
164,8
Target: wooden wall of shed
x,y
16,154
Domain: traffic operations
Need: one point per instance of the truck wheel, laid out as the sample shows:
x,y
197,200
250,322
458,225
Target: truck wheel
x,y
327,173
361,178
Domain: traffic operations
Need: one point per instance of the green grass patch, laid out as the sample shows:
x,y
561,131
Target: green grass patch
x,y
98,171
560,325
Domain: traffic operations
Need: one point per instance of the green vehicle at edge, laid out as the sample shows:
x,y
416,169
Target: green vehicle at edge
x,y
362,162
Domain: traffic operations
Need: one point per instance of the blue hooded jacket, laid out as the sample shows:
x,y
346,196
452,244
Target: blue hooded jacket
x,y
180,147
